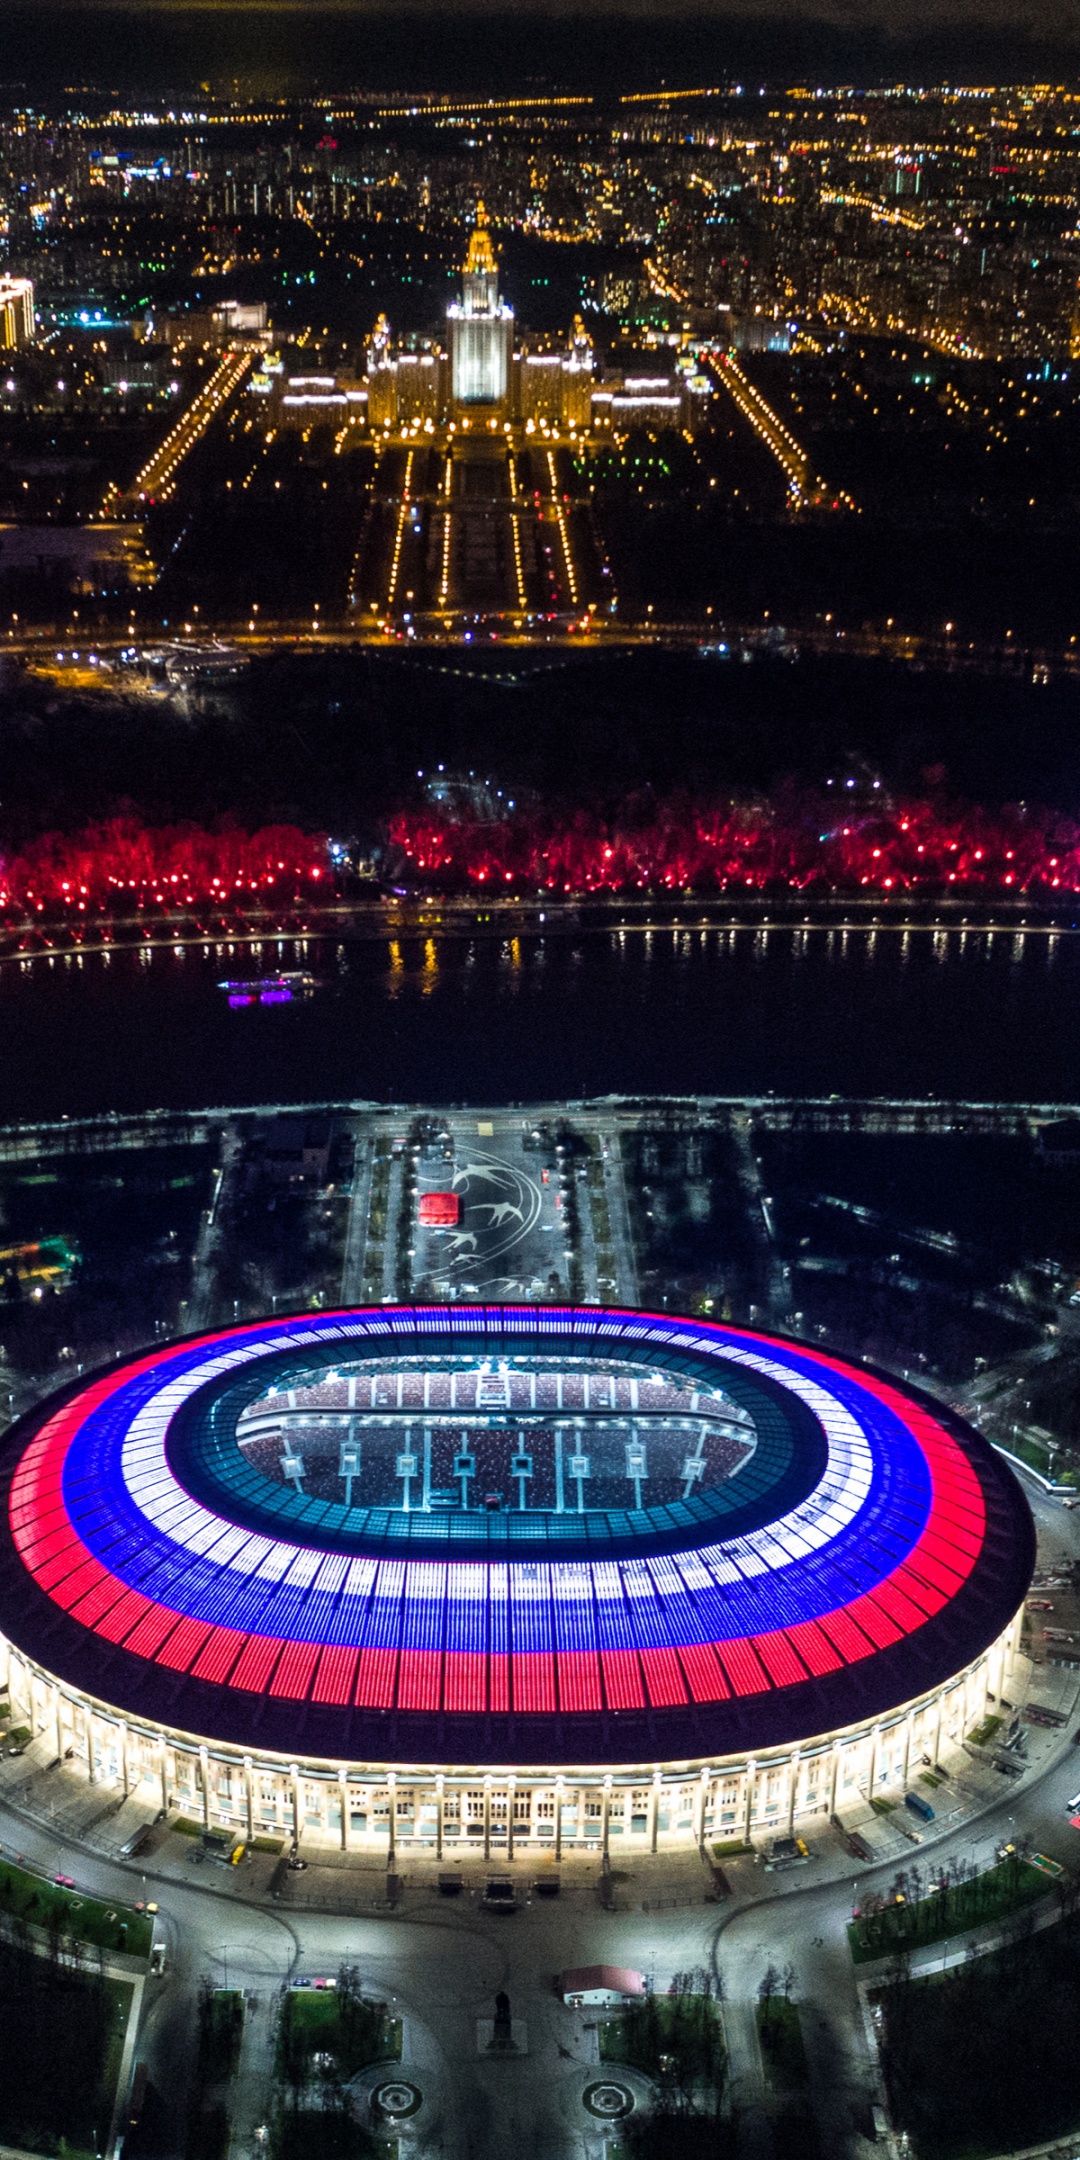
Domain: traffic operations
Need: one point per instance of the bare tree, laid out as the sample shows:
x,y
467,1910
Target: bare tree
x,y
767,1990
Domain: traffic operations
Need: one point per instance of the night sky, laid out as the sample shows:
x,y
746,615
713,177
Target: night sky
x,y
485,44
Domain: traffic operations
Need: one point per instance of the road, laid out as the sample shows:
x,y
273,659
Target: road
x,y
372,628
158,475
203,1299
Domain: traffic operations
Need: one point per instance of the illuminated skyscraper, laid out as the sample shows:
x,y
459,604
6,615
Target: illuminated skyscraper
x,y
16,313
481,382
481,328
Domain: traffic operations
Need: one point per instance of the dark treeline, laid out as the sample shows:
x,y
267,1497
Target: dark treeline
x,y
985,2059
58,2016
337,742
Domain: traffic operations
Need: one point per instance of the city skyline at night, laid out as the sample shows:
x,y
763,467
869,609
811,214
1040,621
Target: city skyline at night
x,y
540,1094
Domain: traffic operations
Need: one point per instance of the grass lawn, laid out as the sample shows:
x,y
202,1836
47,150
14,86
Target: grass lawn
x,y
221,2028
782,2052
326,2022
45,1905
666,2034
1033,1452
991,1896
120,1994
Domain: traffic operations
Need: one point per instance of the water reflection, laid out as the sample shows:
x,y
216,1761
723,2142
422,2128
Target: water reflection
x,y
792,1008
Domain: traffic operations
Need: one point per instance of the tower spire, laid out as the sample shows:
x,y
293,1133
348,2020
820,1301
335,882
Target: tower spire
x,y
480,260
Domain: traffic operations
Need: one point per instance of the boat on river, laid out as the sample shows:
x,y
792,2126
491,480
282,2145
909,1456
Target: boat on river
x,y
283,989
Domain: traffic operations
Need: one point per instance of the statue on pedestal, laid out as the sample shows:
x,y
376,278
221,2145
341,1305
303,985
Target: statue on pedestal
x,y
502,2034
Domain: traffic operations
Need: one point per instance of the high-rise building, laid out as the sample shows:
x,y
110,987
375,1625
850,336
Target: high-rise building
x,y
16,313
481,328
481,379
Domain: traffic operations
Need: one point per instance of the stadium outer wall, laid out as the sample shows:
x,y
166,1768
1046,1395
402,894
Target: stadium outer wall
x,y
454,1810
272,1785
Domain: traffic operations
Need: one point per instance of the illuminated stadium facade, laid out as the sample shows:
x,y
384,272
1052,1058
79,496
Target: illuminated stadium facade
x,y
485,1576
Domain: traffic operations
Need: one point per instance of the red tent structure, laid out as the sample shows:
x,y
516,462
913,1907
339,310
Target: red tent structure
x,y
439,1211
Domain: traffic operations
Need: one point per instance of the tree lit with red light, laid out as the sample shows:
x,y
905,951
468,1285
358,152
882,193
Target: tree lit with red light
x,y
913,848
124,866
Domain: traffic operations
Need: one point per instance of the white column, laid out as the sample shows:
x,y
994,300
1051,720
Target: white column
x,y
874,1740
699,1809
751,1774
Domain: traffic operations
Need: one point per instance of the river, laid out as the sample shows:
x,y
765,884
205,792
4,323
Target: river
x,y
458,1018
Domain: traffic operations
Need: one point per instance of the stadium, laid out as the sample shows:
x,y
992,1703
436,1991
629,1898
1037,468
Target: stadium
x,y
483,1577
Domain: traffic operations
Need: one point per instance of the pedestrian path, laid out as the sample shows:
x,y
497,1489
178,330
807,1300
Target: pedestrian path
x,y
251,2087
746,2082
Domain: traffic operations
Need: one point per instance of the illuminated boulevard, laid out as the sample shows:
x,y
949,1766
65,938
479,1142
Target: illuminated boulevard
x,y
71,643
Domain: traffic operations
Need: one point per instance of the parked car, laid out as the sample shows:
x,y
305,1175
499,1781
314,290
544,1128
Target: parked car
x,y
919,1806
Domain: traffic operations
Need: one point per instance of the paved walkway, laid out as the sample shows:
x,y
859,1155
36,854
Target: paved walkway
x,y
746,2081
250,2093
622,1241
352,1272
